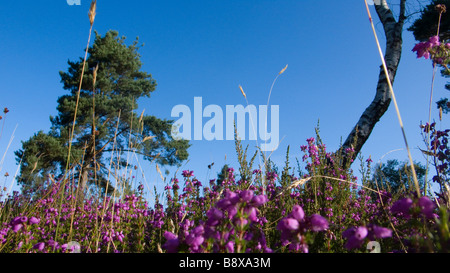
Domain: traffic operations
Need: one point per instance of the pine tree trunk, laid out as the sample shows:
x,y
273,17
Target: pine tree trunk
x,y
393,31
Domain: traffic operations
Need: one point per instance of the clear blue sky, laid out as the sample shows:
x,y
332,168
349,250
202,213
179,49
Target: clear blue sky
x,y
209,48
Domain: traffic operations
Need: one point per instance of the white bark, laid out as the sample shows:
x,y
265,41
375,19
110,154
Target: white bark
x,y
393,31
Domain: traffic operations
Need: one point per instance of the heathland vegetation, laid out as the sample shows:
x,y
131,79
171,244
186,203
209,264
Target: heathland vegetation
x,y
74,196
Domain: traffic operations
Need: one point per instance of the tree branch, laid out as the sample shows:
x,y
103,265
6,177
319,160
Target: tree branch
x,y
402,16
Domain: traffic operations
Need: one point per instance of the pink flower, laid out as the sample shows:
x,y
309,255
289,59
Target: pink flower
x,y
427,206
434,41
172,242
355,237
258,200
380,232
33,220
39,246
288,224
298,213
230,247
246,195
318,223
422,50
17,227
402,206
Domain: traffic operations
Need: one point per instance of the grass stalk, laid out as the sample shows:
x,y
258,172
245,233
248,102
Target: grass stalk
x,y
394,101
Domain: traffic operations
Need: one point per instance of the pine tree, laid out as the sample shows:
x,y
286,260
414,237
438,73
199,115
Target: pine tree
x,y
106,120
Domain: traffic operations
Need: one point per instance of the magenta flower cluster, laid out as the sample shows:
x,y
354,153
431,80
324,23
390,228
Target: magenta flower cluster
x,y
356,236
328,213
433,49
420,207
231,219
294,227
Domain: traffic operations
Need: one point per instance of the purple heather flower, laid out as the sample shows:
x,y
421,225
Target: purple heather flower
x,y
19,246
17,227
318,223
16,220
53,244
298,213
360,233
353,243
434,41
288,224
298,247
355,237
259,200
33,220
195,238
256,171
240,221
379,232
402,206
422,50
39,246
230,247
223,204
187,173
232,211
427,206
233,197
246,195
172,242
64,247
251,213
214,215
194,241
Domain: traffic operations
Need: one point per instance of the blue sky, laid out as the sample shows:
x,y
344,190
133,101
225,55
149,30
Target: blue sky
x,y
209,48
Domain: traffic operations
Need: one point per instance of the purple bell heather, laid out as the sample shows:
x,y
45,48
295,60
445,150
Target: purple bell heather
x,y
16,227
230,247
214,216
318,223
16,220
402,206
427,207
232,197
422,50
187,173
251,213
194,241
195,237
379,232
361,233
288,224
39,246
172,242
297,213
19,246
33,220
246,195
240,221
355,237
223,204
434,41
258,200
52,244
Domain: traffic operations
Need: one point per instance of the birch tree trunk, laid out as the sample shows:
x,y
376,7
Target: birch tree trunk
x,y
393,31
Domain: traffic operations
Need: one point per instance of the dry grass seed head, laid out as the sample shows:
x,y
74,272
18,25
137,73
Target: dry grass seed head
x,y
92,12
